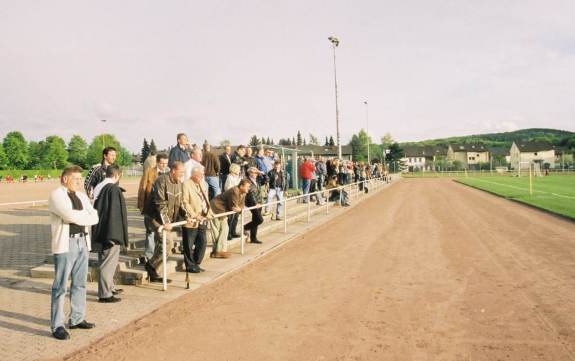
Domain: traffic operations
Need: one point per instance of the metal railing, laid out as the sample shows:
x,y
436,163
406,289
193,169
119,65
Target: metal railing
x,y
373,182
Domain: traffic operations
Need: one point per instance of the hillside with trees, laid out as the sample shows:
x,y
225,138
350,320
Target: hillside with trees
x,y
556,137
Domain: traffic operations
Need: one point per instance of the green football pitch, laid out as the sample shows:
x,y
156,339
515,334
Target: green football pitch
x,y
554,193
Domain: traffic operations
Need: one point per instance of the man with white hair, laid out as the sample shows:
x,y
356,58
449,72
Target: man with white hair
x,y
196,205
195,161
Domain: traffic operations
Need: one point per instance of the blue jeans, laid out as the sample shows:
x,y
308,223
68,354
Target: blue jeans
x,y
279,194
223,178
74,263
306,183
150,242
213,186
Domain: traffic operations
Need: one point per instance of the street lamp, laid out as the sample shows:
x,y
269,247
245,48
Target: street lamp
x,y
104,135
335,42
367,129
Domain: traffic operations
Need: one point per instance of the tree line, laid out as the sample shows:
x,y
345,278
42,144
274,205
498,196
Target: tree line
x,y
53,152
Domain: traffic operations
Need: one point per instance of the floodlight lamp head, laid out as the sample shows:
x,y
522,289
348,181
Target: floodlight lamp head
x,y
334,40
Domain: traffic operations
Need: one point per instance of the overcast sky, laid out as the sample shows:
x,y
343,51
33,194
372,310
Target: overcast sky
x,y
229,69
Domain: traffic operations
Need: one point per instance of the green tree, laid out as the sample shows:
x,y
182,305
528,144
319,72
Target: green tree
x,y
359,145
35,152
97,146
125,157
145,151
299,139
394,157
387,140
254,141
225,142
153,147
3,158
54,155
326,142
77,151
16,150
293,141
331,142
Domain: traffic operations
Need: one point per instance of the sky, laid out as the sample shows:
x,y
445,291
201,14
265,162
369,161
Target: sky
x,y
225,70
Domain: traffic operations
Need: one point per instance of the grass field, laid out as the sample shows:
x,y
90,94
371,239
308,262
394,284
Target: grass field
x,y
554,193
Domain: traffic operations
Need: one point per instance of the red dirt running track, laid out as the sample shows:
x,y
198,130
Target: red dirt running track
x,y
425,270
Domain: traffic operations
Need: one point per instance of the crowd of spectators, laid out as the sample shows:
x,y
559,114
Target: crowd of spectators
x,y
189,184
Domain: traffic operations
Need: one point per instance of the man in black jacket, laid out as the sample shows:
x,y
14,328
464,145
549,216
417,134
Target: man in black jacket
x,y
225,162
97,173
253,198
111,232
277,184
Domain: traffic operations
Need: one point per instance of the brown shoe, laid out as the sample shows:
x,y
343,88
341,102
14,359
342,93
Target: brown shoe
x,y
220,255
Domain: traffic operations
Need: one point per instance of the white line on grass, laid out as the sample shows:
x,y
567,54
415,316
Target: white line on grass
x,y
524,189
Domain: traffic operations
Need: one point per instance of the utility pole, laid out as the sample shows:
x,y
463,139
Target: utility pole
x,y
335,42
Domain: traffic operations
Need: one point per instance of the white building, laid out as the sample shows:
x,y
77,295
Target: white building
x,y
527,152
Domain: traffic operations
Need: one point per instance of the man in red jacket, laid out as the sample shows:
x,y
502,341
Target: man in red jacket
x,y
306,172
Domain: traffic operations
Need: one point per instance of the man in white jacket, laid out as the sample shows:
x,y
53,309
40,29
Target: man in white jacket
x,y
71,215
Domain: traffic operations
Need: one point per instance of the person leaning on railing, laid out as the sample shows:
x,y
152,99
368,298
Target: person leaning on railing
x,y
164,209
232,200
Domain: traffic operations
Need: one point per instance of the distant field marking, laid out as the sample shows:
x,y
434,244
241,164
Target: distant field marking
x,y
525,189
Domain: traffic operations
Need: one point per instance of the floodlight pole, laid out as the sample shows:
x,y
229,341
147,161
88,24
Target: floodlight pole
x,y
104,135
335,42
367,129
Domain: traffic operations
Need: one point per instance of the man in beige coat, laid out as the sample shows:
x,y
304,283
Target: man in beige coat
x,y
197,207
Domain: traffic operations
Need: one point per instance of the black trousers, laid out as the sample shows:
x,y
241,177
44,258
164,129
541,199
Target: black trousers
x,y
194,245
233,224
252,226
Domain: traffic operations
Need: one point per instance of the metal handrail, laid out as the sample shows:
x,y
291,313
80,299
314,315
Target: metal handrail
x,y
257,206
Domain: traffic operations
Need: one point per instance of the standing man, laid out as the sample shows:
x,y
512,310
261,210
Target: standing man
x,y
165,208
212,168
197,208
277,183
225,162
195,161
144,196
250,159
179,153
253,198
239,158
111,233
98,172
306,171
231,200
71,215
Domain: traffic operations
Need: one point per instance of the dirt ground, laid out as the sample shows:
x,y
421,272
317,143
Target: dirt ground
x,y
426,270
31,191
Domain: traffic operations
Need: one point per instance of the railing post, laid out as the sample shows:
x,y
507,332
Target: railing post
x,y
309,210
242,234
285,214
340,195
327,203
164,261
